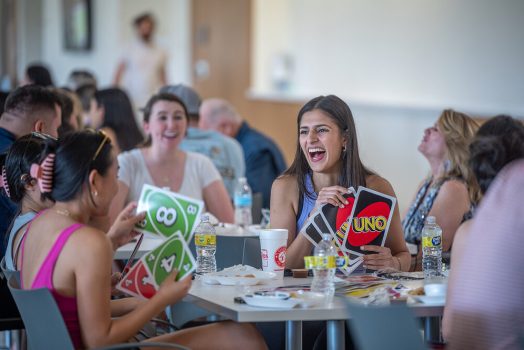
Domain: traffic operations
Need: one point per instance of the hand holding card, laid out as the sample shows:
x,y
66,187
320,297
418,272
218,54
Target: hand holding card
x,y
168,213
145,277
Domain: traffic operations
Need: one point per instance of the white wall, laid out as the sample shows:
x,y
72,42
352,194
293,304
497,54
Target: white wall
x,y
111,31
397,64
431,53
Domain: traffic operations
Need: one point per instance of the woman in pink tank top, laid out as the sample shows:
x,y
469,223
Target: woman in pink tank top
x,y
63,253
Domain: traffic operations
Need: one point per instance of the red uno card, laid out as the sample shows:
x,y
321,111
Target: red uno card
x,y
370,220
138,282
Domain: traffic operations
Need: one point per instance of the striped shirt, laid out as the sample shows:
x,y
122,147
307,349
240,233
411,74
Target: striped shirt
x,y
486,305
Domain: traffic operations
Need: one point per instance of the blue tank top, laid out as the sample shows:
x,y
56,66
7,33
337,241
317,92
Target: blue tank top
x,y
307,204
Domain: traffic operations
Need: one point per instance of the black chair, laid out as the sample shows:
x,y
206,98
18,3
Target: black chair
x,y
38,307
384,327
10,319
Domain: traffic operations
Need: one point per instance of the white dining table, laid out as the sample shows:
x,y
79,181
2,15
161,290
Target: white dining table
x,y
149,243
220,300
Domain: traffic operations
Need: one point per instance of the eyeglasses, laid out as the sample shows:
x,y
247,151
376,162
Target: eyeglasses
x,y
105,140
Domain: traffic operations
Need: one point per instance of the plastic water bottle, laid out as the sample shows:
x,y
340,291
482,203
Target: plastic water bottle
x,y
206,245
431,248
243,203
324,268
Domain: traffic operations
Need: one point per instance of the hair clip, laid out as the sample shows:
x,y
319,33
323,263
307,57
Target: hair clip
x,y
3,183
44,173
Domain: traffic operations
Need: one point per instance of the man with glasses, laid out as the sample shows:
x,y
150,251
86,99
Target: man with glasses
x,y
28,109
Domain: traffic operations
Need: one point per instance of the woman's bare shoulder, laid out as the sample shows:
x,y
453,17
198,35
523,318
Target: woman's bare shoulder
x,y
286,183
379,184
91,238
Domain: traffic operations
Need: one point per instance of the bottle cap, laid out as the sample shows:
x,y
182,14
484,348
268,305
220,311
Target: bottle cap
x,y
431,220
204,217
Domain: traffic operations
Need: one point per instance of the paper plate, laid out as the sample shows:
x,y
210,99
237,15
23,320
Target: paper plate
x,y
302,299
238,275
424,299
224,229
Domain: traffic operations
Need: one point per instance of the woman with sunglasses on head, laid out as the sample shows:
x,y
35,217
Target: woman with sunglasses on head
x,y
19,182
450,191
62,253
326,164
163,164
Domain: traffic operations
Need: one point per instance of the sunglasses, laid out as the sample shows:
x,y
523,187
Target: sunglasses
x,y
43,136
105,140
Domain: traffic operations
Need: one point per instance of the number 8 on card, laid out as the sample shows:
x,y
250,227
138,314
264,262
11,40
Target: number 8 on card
x,y
168,213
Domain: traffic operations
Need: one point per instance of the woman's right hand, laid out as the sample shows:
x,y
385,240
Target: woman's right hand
x,y
173,291
333,195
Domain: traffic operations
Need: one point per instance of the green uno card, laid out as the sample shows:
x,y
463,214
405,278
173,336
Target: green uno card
x,y
168,213
174,253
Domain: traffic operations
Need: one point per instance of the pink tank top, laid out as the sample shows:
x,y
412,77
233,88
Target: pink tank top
x,y
44,279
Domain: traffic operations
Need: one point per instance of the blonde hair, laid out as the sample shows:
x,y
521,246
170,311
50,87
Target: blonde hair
x,y
458,130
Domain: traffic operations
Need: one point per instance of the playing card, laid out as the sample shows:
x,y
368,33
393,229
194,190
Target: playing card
x,y
172,254
328,219
145,277
168,213
138,282
370,220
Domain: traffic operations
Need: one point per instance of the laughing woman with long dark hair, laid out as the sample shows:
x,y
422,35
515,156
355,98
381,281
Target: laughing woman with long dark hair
x,y
326,164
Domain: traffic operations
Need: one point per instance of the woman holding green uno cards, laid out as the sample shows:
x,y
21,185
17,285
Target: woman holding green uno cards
x,y
61,252
161,163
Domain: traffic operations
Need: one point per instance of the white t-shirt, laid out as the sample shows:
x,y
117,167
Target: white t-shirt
x,y
199,172
144,65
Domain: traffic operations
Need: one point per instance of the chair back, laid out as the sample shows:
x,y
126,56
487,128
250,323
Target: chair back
x,y
10,318
384,327
251,252
38,308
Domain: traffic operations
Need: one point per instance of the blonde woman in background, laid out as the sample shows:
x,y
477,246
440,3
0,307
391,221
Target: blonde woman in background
x,y
450,191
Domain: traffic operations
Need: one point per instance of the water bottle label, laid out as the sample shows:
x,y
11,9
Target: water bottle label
x,y
243,201
322,262
203,240
429,242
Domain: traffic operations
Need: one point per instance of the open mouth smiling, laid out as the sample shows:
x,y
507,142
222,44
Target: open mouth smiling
x,y
316,153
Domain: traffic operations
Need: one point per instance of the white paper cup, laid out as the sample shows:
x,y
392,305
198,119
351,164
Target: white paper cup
x,y
273,246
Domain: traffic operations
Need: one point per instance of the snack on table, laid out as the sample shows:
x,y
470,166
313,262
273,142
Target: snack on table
x,y
300,273
417,291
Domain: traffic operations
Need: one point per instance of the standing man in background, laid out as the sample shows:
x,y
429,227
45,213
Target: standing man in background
x,y
142,69
264,160
225,152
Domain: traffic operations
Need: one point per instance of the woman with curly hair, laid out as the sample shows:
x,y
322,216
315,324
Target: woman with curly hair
x,y
450,191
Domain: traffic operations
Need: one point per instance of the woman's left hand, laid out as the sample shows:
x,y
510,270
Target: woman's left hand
x,y
381,260
121,232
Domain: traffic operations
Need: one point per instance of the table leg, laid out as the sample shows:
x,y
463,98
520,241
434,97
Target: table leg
x,y
432,329
293,335
335,335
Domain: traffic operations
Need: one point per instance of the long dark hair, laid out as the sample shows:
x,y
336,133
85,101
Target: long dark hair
x,y
22,153
76,154
162,96
119,117
352,172
498,142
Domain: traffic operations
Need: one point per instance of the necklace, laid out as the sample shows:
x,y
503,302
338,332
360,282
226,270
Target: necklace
x,y
63,212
